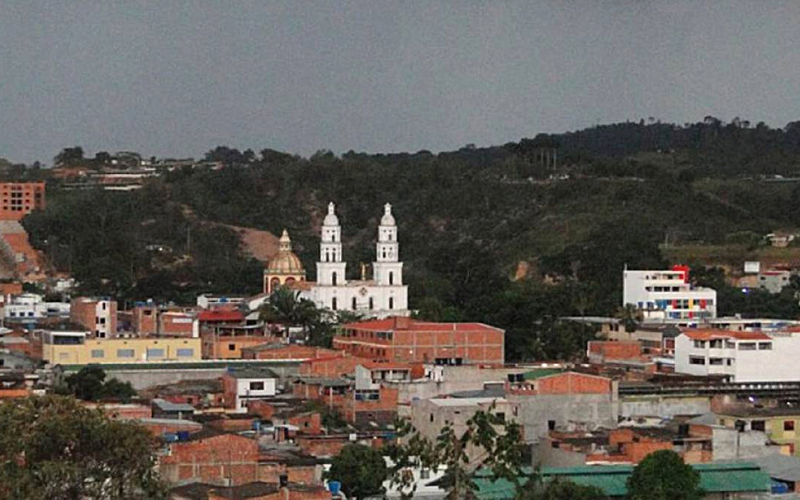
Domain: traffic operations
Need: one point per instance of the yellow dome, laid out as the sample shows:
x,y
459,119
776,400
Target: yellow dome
x,y
286,261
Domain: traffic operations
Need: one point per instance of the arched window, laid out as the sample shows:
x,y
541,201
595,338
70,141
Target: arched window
x,y
384,253
371,304
354,304
327,256
391,278
273,284
333,303
333,279
288,281
391,302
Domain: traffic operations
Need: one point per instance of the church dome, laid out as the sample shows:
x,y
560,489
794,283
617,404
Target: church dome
x,y
286,261
388,218
331,219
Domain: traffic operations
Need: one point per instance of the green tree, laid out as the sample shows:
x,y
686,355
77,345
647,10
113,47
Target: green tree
x,y
285,307
90,384
68,157
664,476
496,441
360,469
630,316
52,448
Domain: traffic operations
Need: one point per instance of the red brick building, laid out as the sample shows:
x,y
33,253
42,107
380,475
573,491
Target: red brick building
x,y
212,457
282,351
406,340
18,199
99,316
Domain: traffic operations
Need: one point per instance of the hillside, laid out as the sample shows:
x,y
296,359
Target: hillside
x,y
468,219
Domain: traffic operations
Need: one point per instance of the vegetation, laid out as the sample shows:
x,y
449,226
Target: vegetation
x,y
52,448
90,384
360,469
662,475
479,227
488,436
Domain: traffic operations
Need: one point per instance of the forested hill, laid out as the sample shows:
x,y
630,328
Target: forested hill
x,y
471,221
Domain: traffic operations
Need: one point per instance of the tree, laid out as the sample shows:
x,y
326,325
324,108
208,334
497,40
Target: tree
x,y
286,307
360,469
630,316
664,476
496,439
68,156
52,448
560,489
90,384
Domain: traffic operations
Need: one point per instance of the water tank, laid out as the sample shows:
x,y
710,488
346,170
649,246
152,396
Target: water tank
x,y
334,487
183,435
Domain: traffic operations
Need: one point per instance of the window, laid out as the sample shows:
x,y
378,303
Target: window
x,y
125,353
98,353
729,345
501,415
765,346
697,360
551,425
431,417
425,474
371,304
747,346
788,425
391,302
333,278
231,347
102,321
256,386
758,425
391,278
185,353
715,361
333,302
700,343
729,361
715,344
155,353
354,304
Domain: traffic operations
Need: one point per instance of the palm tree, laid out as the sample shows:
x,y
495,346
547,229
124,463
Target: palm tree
x,y
285,307
630,315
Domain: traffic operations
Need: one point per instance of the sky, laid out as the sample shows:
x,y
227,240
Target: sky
x,y
175,78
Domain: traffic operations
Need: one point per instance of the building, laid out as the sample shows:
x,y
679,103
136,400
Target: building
x,y
383,295
30,308
781,424
554,399
668,295
161,408
405,340
18,199
74,348
247,384
285,268
210,456
774,280
98,315
739,356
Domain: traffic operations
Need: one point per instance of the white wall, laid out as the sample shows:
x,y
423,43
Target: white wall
x,y
243,391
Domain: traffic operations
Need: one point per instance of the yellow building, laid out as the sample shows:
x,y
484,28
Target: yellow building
x,y
73,348
285,268
778,423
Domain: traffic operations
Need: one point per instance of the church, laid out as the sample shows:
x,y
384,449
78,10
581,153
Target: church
x,y
382,296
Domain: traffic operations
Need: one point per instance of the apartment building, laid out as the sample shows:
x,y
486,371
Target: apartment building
x,y
98,315
18,199
668,294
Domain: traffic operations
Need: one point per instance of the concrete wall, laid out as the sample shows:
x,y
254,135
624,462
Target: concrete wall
x,y
571,411
545,455
664,406
730,444
142,379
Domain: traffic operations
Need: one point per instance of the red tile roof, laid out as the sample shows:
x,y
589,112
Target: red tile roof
x,y
710,333
419,326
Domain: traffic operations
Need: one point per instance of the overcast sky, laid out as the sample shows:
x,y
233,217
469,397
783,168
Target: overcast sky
x,y
176,78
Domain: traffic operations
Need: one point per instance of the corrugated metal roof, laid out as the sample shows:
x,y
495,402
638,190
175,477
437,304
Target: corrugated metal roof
x,y
728,477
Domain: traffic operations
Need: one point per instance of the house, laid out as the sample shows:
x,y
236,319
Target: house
x,y
668,294
778,423
165,409
243,385
98,315
210,456
429,416
739,356
405,340
550,399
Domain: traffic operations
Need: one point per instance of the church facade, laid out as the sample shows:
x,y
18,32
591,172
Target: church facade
x,y
382,296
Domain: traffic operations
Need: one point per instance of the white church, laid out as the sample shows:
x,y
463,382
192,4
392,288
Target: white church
x,y
383,295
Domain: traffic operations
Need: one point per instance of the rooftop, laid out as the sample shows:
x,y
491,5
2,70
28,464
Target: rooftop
x,y
754,411
714,333
420,326
251,372
450,402
165,405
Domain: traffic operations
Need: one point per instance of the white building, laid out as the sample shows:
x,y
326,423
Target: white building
x,y
249,384
381,296
30,307
668,295
740,356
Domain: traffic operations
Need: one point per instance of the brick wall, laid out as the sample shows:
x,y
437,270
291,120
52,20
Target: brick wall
x,y
212,460
614,350
573,383
270,472
229,347
292,352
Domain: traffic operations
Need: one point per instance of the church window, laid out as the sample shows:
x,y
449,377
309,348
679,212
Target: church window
x,y
384,253
333,303
327,256
354,304
391,278
288,281
333,279
371,304
391,302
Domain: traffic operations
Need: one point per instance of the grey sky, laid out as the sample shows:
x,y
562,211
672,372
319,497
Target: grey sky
x,y
176,78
